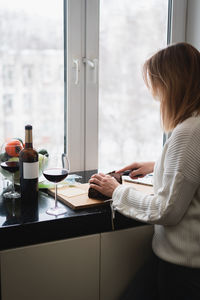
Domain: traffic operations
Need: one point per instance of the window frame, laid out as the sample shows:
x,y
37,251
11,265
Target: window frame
x,y
81,95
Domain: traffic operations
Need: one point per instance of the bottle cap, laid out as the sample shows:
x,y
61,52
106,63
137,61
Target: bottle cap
x,y
28,127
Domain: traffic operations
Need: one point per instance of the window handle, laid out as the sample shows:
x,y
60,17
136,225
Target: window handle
x,y
93,64
89,62
76,67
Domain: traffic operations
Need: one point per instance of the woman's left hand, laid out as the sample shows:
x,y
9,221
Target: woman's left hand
x,y
105,184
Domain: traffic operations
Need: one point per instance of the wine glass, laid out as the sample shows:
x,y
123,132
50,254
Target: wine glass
x,y
56,170
9,161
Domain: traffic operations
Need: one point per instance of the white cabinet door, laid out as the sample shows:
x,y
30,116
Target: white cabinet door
x,y
122,253
67,269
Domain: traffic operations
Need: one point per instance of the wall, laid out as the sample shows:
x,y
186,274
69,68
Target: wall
x,y
193,23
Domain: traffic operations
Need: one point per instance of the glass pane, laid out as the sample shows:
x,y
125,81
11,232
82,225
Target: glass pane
x,y
31,60
129,119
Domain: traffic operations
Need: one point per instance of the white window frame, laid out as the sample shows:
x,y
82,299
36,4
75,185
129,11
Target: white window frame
x,y
178,21
82,37
82,56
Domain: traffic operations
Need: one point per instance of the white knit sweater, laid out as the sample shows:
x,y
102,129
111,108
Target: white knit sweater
x,y
175,205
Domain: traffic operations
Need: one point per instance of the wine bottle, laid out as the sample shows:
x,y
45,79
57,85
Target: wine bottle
x,y
29,170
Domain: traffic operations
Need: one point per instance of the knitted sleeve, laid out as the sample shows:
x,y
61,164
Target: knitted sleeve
x,y
180,179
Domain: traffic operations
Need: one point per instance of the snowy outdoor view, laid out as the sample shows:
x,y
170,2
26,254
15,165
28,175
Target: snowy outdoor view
x,y
31,71
129,120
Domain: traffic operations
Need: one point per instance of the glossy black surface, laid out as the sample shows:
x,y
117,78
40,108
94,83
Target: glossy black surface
x,y
25,225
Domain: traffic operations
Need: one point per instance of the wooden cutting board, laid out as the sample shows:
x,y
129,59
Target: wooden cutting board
x,y
76,196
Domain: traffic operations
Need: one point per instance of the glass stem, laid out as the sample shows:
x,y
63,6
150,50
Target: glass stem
x,y
13,184
56,196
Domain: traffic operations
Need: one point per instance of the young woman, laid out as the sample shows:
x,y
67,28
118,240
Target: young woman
x,y
173,77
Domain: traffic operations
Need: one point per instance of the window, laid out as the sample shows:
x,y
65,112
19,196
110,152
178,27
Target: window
x,y
7,104
27,75
8,75
69,64
129,120
31,57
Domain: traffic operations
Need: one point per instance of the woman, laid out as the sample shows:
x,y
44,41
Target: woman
x,y
173,77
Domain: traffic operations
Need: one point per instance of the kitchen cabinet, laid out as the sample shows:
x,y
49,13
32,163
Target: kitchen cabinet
x,y
122,254
60,270
92,267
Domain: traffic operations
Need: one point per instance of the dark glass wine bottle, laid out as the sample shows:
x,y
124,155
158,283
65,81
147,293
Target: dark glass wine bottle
x,y
29,170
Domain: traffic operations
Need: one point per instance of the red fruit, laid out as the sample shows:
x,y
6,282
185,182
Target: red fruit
x,y
13,148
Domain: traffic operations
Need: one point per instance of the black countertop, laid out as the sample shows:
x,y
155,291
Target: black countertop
x,y
21,226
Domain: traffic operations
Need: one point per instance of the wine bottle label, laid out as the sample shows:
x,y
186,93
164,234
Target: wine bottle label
x,y
30,170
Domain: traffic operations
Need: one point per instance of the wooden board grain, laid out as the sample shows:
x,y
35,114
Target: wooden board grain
x,y
79,199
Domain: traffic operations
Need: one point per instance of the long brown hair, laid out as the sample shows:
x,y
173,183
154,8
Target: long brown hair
x,y
173,75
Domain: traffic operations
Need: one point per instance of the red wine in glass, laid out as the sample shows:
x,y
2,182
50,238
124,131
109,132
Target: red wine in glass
x,y
12,167
56,170
55,174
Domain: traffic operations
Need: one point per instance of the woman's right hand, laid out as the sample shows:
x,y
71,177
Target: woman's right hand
x,y
141,169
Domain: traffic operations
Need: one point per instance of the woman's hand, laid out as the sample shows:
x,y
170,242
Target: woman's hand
x,y
105,184
142,169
